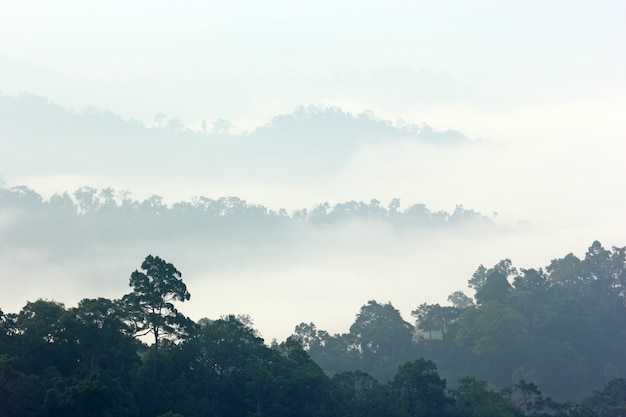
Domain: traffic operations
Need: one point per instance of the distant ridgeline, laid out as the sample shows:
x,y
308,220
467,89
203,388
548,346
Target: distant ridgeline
x,y
26,113
110,215
306,145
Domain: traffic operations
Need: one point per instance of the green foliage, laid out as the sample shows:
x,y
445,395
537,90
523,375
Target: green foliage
x,y
527,397
460,300
434,317
357,394
334,353
382,338
561,329
608,402
114,216
102,338
96,394
64,362
473,398
45,337
378,342
419,390
493,284
150,306
494,334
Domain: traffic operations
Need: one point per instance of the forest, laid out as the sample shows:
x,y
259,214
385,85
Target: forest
x,y
561,327
307,145
312,209
536,342
111,215
528,342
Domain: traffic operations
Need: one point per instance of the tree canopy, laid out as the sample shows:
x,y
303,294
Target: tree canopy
x,y
150,307
551,344
560,327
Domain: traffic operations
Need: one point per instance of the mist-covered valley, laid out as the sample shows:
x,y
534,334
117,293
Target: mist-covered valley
x,y
303,218
519,329
376,208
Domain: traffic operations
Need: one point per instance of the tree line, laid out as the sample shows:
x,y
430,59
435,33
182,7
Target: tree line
x,y
28,115
94,359
110,215
562,327
289,147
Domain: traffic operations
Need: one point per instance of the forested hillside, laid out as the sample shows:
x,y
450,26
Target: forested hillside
x,y
558,331
232,249
328,176
112,215
311,143
562,327
90,217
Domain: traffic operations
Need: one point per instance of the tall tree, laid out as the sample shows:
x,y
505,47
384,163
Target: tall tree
x,y
102,338
357,394
383,339
45,337
435,317
497,337
150,306
419,389
493,284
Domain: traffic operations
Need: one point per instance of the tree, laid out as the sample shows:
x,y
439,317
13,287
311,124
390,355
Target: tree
x,y
224,346
610,402
493,284
97,394
497,337
101,337
474,399
357,394
302,385
383,339
45,337
435,317
496,288
420,390
150,306
334,353
460,300
527,397
88,201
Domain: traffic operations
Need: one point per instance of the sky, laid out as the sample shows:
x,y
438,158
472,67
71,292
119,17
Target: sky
x,y
538,87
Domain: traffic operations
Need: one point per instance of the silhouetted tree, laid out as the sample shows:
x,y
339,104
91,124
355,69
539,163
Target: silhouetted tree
x,y
150,307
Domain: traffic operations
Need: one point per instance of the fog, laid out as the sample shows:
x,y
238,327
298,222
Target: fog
x,y
514,111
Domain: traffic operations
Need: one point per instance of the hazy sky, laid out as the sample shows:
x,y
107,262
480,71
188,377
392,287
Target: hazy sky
x,y
246,60
541,85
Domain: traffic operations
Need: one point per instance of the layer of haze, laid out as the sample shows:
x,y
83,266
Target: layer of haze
x,y
538,88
